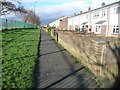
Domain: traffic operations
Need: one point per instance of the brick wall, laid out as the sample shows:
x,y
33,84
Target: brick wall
x,y
94,52
64,23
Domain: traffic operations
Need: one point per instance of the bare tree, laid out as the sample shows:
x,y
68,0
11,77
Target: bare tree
x,y
31,17
7,7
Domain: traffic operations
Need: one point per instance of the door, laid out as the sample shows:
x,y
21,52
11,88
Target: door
x,y
103,30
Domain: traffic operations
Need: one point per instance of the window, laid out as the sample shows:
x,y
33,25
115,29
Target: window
x,y
98,29
116,29
81,17
103,13
96,15
86,16
118,10
115,10
93,16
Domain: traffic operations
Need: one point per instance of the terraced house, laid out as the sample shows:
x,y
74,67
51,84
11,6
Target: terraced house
x,y
60,23
103,21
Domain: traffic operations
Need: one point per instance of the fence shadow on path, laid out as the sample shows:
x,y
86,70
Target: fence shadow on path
x,y
53,52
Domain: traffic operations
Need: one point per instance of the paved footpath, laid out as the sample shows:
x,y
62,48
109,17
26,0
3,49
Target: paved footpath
x,y
58,69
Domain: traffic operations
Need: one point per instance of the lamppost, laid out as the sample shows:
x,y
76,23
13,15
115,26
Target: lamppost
x,y
34,13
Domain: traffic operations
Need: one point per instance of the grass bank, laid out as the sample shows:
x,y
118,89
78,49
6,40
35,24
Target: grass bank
x,y
19,50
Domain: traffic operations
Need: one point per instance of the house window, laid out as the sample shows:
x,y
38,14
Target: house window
x,y
118,10
103,13
115,10
98,29
93,15
96,15
115,29
86,16
81,17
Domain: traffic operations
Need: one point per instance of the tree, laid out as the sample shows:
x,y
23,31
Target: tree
x,y
7,7
31,17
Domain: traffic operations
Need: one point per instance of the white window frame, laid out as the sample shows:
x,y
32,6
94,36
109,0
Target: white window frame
x,y
98,29
115,10
103,13
118,10
96,15
115,29
87,16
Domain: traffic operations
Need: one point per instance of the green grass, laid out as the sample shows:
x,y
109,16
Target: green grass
x,y
18,57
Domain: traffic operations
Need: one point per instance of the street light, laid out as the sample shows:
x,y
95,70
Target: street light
x,y
34,13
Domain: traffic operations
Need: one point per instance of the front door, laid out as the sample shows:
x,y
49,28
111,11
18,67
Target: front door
x,y
103,30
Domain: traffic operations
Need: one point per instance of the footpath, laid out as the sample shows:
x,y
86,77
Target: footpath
x,y
58,69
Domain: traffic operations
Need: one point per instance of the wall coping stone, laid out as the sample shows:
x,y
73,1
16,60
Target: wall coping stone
x,y
99,41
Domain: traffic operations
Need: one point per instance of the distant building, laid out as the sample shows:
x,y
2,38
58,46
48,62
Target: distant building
x,y
61,23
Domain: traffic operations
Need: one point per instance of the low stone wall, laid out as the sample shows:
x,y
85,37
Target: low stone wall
x,y
94,52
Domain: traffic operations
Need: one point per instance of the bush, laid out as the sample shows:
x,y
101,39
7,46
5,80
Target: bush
x,y
49,29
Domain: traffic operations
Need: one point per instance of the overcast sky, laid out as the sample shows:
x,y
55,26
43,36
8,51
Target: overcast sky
x,y
49,10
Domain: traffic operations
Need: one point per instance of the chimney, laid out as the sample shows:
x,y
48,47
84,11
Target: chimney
x,y
89,8
75,14
103,4
80,12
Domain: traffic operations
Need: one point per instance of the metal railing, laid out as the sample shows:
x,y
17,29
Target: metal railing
x,y
12,24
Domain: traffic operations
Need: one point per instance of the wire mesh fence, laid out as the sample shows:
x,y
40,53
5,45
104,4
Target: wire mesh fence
x,y
12,24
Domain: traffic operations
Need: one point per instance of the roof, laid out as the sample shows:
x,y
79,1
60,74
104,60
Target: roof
x,y
118,2
59,18
84,22
100,22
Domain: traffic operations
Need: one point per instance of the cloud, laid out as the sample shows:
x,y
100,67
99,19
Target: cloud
x,y
69,8
50,11
57,11
50,0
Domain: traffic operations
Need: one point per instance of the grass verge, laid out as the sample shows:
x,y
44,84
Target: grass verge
x,y
19,50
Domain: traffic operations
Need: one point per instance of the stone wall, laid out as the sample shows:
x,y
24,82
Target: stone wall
x,y
94,52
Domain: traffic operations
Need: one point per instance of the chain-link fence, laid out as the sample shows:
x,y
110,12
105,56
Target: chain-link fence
x,y
12,24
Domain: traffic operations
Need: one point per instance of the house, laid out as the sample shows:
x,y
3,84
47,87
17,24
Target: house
x,y
61,23
85,22
55,23
74,23
103,21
